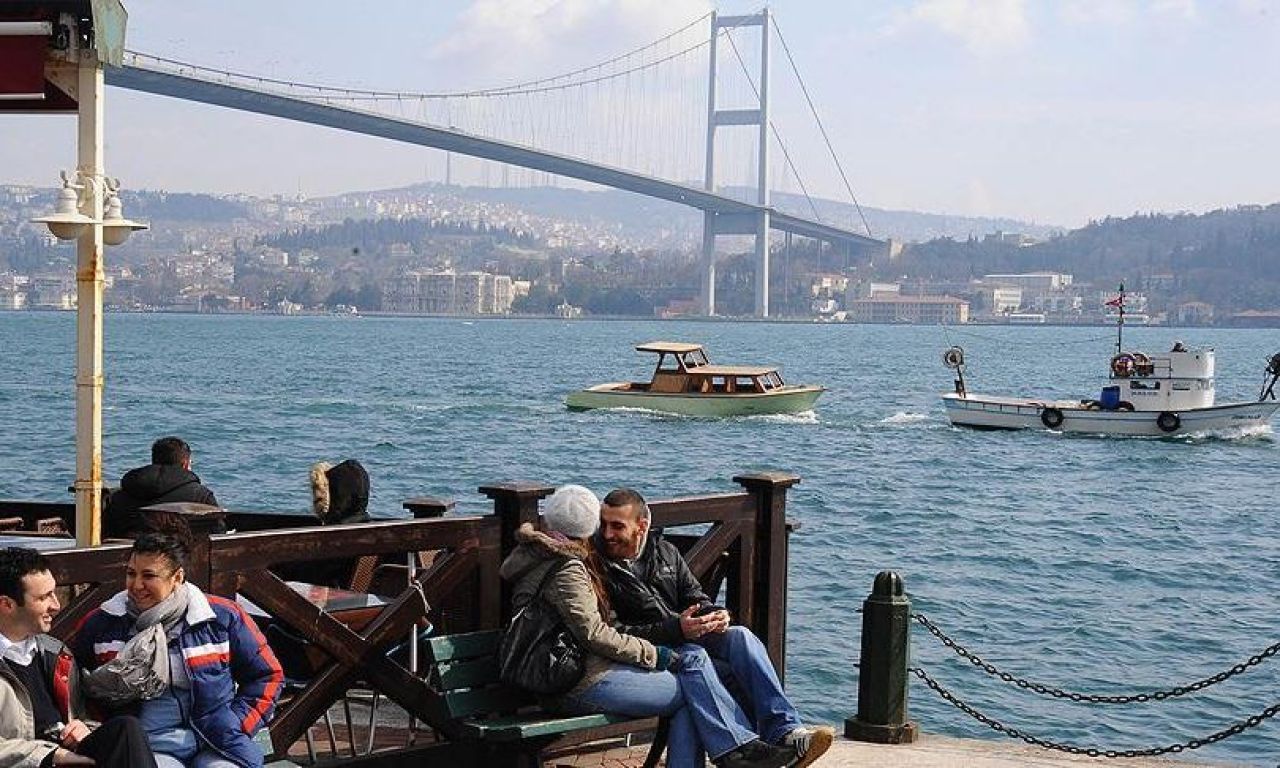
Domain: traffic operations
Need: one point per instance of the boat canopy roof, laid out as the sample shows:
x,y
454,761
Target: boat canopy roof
x,y
732,370
673,347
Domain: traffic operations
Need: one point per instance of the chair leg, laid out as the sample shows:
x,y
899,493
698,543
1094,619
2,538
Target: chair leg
x,y
373,721
351,727
659,744
311,747
333,737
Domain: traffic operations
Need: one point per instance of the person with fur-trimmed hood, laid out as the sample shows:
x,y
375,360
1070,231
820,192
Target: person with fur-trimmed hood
x,y
625,674
340,494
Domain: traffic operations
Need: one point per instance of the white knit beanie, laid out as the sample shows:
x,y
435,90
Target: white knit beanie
x,y
573,511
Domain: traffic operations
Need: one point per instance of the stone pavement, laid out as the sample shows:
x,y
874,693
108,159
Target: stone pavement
x,y
928,752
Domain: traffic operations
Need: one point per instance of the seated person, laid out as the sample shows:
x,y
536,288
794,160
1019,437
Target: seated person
x,y
193,667
340,494
1178,346
168,478
40,715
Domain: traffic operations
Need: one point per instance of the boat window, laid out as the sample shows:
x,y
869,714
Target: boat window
x,y
695,359
668,363
745,384
1144,385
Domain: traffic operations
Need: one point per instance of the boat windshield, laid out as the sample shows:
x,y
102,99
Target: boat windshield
x,y
695,359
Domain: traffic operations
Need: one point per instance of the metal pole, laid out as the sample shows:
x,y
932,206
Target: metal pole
x,y
89,284
762,223
708,218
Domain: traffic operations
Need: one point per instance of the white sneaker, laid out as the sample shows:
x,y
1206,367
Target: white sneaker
x,y
810,741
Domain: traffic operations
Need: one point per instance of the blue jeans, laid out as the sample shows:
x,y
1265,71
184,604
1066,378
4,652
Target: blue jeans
x,y
771,711
703,714
205,758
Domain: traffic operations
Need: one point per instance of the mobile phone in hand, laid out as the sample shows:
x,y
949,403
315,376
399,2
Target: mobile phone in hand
x,y
707,609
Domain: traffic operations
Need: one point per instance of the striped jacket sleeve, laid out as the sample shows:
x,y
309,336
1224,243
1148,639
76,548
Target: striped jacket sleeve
x,y
254,667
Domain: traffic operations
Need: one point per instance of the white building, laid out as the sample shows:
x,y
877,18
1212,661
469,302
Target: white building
x,y
1031,282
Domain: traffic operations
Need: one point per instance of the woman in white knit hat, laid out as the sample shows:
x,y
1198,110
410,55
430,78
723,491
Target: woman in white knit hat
x,y
624,674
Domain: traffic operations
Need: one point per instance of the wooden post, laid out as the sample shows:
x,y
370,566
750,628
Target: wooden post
x,y
770,597
882,675
514,504
427,506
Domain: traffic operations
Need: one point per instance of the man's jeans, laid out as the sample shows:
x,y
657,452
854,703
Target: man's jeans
x,y
703,714
753,675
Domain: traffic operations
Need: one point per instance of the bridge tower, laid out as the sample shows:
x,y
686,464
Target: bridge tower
x,y
757,224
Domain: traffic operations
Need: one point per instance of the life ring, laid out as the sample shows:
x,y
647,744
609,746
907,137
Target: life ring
x,y
953,358
1168,421
1051,418
1122,365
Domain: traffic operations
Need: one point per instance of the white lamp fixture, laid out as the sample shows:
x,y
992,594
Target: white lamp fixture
x,y
67,222
115,227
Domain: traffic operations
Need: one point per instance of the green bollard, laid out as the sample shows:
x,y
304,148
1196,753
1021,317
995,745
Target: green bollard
x,y
882,677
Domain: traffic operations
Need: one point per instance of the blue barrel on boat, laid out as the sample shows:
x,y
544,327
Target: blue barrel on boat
x,y
1110,398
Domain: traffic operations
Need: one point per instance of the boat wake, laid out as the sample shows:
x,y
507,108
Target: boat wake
x,y
903,417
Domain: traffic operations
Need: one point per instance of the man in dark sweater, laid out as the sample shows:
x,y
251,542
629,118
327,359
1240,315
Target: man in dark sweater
x,y
40,705
168,478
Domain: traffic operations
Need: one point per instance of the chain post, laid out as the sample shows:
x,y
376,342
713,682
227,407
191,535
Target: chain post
x,y
882,677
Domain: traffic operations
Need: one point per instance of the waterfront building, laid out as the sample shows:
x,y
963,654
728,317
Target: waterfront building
x,y
920,310
1031,282
1195,313
1002,300
449,293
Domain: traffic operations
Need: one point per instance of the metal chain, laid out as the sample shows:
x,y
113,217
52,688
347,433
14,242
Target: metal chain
x,y
1014,733
1057,693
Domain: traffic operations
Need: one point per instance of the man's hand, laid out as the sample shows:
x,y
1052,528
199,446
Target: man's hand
x,y
73,733
693,627
67,757
717,622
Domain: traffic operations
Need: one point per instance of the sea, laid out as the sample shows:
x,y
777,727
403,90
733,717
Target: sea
x,y
1097,565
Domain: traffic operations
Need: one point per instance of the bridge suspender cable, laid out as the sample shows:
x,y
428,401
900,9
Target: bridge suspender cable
x,y
805,90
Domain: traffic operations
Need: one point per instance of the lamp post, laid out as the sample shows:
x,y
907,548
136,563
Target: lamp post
x,y
84,222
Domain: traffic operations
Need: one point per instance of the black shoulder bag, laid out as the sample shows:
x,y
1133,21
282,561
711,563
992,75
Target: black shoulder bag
x,y
538,652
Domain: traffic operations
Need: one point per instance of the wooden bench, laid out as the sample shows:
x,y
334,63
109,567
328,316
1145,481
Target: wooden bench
x,y
506,724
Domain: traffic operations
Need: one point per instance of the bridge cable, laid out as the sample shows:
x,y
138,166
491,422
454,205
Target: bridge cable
x,y
781,144
805,90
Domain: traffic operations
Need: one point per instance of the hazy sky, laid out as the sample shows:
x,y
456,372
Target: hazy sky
x,y
1051,111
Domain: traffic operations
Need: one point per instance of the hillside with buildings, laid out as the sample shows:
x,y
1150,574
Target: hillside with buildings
x,y
429,249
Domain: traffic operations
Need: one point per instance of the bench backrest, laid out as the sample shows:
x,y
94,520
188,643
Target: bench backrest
x,y
464,670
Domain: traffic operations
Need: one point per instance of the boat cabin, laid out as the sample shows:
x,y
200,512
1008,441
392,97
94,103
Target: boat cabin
x,y
1177,380
684,368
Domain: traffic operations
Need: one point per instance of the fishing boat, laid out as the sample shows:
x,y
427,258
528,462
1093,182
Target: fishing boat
x,y
1155,395
685,382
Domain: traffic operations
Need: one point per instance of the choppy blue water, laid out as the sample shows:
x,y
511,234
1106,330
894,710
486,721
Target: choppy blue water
x,y
1101,565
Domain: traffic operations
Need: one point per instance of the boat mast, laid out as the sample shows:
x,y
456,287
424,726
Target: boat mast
x,y
1120,323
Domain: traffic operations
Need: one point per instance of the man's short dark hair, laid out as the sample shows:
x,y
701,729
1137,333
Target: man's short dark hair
x,y
170,451
627,497
15,563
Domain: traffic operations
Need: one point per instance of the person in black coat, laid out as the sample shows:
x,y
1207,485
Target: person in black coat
x,y
168,478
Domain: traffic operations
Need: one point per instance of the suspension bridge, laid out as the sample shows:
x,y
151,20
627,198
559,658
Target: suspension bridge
x,y
630,122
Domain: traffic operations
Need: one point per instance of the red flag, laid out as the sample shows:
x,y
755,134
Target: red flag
x,y
1116,302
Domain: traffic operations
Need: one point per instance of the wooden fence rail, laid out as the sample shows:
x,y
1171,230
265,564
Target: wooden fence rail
x,y
740,555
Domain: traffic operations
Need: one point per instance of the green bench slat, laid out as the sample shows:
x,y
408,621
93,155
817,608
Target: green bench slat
x,y
468,673
518,727
477,701
467,645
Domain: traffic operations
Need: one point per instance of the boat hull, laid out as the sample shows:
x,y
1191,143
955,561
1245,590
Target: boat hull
x,y
986,412
791,399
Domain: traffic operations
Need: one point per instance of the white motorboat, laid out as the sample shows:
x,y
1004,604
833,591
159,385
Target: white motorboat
x,y
1154,395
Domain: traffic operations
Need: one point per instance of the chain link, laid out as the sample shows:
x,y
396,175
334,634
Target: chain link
x,y
1058,693
1014,733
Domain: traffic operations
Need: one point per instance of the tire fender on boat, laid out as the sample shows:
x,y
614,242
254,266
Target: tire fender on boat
x,y
1168,421
1051,418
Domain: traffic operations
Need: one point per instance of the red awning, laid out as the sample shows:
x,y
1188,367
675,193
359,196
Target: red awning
x,y
22,66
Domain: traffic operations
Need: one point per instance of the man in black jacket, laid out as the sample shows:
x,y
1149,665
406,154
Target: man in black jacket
x,y
657,597
168,478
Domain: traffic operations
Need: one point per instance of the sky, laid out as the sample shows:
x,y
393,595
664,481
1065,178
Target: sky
x,y
1053,112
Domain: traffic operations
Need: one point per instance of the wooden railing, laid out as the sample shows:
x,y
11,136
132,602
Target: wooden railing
x,y
741,557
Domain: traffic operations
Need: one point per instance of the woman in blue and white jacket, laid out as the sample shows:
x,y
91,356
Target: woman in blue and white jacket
x,y
193,667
